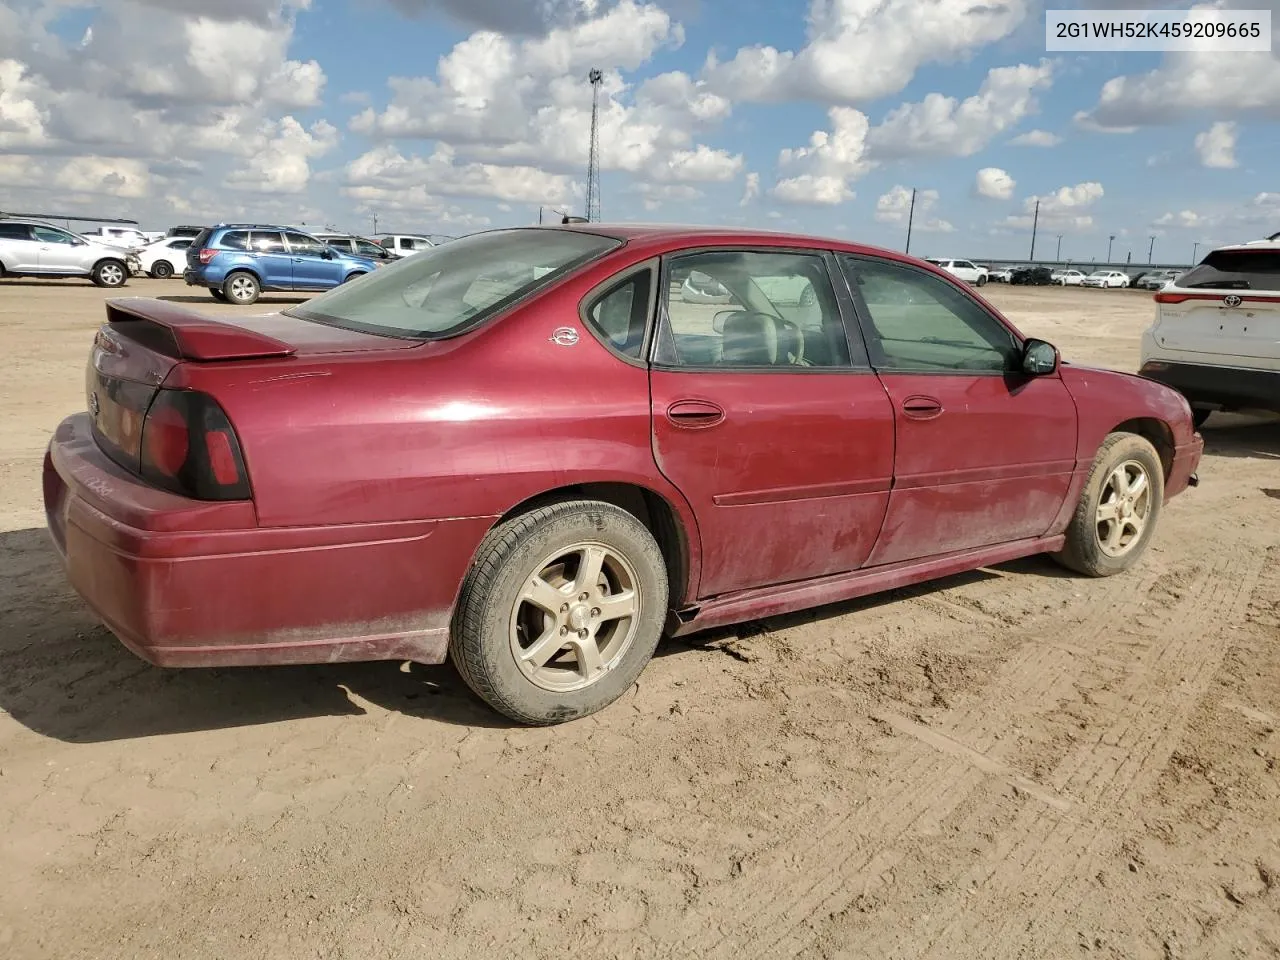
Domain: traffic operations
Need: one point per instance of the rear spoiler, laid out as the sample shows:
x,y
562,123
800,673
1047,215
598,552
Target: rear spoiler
x,y
185,334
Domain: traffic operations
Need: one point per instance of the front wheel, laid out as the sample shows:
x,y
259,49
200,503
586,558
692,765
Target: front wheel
x,y
242,288
560,612
1118,510
982,279
110,273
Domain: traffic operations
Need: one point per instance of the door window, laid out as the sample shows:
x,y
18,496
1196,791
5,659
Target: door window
x,y
736,309
620,314
922,323
302,245
46,235
264,242
15,231
368,249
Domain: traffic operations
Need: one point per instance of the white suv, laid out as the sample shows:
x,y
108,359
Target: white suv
x,y
1216,336
965,270
33,248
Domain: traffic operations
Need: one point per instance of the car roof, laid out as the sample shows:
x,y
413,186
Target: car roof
x,y
680,234
1252,245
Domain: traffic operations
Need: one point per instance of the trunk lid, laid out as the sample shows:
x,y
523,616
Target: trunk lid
x,y
1227,305
144,339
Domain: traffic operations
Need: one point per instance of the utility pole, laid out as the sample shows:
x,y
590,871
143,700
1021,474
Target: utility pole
x,y
910,217
375,224
596,78
1058,255
1110,240
1151,251
1034,224
1194,247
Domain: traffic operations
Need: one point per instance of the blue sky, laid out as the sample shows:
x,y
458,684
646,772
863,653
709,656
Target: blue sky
x,y
445,116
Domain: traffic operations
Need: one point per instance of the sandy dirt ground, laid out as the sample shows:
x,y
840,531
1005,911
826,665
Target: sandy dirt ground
x,y
1011,763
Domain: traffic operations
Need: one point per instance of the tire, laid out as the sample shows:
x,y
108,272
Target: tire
x,y
161,270
353,276
496,615
242,287
982,279
218,295
1095,550
109,273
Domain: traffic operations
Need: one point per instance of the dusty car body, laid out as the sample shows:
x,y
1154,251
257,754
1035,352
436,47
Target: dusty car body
x,y
565,459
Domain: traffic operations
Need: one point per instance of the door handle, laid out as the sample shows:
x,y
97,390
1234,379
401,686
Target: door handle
x,y
922,408
694,413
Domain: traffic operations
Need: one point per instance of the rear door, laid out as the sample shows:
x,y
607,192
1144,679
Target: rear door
x,y
271,256
984,453
21,252
312,269
768,418
1227,306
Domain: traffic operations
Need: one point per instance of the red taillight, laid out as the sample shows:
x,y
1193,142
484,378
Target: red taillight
x,y
206,255
190,447
1177,297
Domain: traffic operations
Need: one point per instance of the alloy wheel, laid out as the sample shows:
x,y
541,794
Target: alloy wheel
x,y
1123,508
575,617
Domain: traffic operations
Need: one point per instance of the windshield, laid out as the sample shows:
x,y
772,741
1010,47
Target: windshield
x,y
1236,270
443,289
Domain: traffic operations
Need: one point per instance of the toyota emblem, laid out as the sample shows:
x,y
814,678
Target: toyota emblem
x,y
1232,301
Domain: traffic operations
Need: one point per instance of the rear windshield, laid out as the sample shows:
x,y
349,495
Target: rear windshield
x,y
447,288
1236,270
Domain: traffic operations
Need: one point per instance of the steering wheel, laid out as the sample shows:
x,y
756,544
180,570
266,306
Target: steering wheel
x,y
795,348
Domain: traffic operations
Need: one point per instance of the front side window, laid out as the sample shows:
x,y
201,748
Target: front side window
x,y
46,235
922,323
735,308
300,243
368,249
452,287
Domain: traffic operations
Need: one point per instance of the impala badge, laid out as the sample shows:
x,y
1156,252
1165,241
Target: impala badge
x,y
1232,301
565,336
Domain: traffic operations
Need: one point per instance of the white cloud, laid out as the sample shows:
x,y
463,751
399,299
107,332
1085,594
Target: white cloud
x,y
944,126
994,183
384,170
281,164
1036,138
1183,219
895,207
84,178
657,195
750,189
816,190
860,50
1067,208
1216,146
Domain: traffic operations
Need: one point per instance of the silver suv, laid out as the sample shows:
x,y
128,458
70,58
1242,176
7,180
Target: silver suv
x,y
34,248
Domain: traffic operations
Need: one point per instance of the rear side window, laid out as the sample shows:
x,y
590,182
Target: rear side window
x,y
1236,270
14,231
621,313
266,241
235,240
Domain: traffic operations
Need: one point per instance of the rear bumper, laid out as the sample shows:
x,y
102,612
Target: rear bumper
x,y
189,584
1230,387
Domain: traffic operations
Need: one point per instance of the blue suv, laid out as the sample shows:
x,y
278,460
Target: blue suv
x,y
238,261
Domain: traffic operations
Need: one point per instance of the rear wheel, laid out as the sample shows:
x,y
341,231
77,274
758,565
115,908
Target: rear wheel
x,y
162,269
560,612
242,288
1118,509
110,273
982,279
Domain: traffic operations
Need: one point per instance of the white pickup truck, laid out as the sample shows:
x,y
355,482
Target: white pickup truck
x,y
965,270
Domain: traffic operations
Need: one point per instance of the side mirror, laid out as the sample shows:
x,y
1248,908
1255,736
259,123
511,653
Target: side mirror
x,y
1039,358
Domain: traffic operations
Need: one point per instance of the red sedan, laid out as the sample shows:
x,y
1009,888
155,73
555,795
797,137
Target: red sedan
x,y
531,451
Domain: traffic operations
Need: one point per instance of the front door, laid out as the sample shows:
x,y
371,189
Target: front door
x,y
22,253
311,269
59,251
275,266
984,453
767,416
